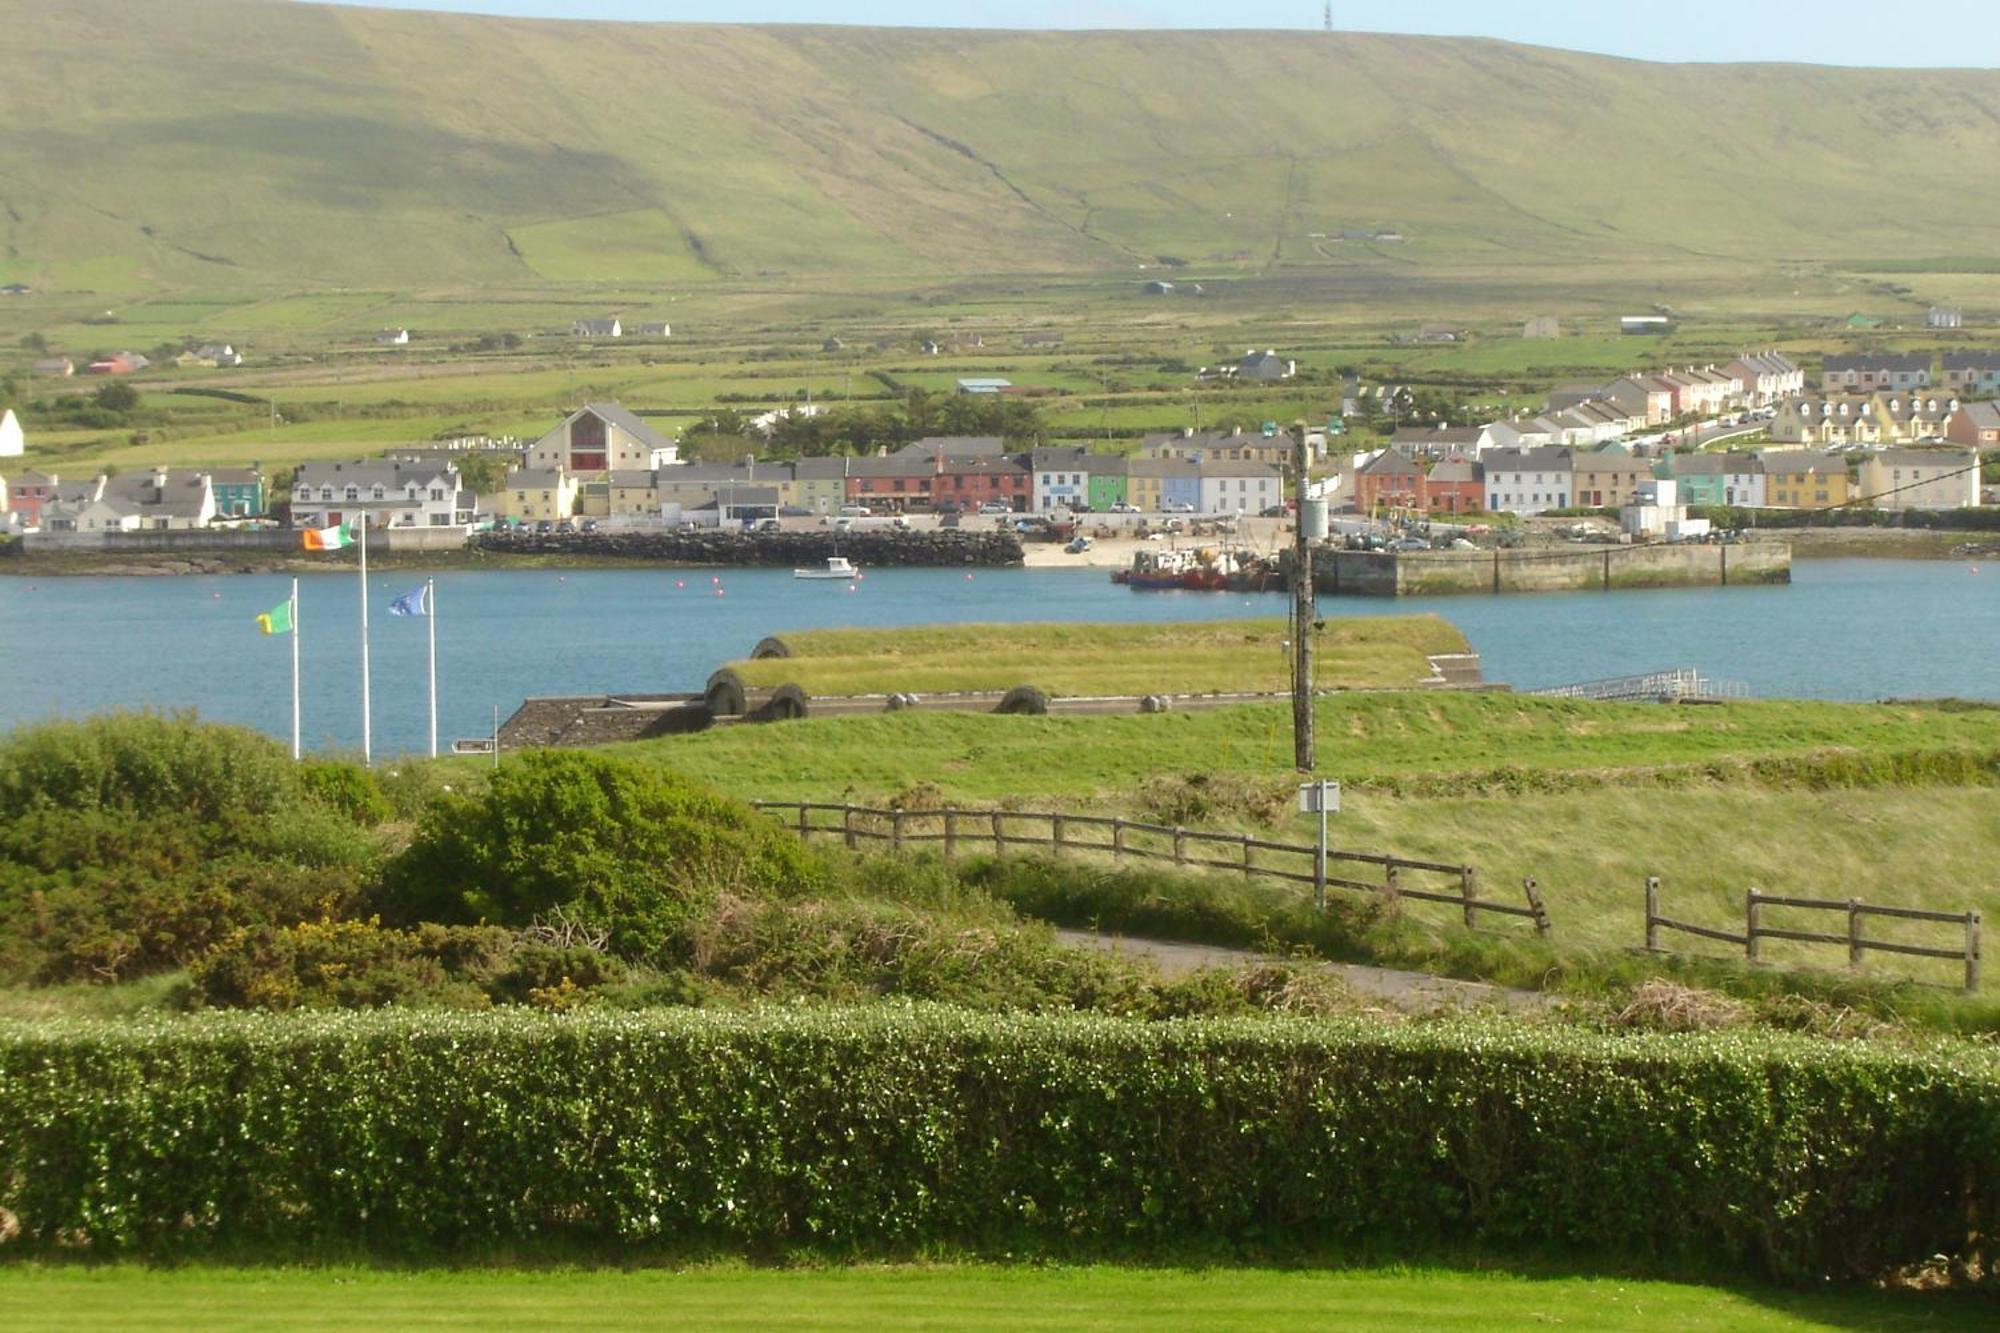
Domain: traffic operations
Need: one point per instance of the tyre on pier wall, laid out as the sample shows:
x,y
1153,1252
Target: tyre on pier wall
x,y
770,646
788,703
724,694
1023,701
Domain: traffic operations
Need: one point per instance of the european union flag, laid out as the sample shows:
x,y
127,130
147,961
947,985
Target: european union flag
x,y
410,603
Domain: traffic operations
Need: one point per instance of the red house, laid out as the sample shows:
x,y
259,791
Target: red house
x,y
967,483
1392,479
27,493
1456,486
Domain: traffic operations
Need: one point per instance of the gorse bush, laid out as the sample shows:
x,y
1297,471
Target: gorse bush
x,y
890,1131
628,847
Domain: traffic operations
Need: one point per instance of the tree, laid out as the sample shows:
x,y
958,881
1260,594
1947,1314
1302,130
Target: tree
x,y
34,342
482,473
117,396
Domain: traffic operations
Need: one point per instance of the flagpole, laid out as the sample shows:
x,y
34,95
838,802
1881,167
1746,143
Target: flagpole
x,y
430,602
367,730
295,670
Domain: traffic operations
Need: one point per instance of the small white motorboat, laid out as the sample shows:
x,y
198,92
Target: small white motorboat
x,y
837,567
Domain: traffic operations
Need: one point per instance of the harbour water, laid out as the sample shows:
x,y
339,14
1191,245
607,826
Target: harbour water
x,y
1847,629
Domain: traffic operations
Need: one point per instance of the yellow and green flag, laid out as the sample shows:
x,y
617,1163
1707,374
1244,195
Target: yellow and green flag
x,y
278,620
330,539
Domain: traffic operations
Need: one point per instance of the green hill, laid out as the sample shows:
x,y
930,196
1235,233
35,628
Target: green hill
x,y
240,144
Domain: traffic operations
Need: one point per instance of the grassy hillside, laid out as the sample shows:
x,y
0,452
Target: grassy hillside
x,y
236,144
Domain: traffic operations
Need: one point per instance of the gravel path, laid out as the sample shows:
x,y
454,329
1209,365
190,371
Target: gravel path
x,y
1415,992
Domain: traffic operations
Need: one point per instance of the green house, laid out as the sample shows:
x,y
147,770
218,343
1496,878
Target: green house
x,y
1108,475
239,492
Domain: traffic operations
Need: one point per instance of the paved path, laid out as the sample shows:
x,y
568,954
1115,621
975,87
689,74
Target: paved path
x,y
1416,992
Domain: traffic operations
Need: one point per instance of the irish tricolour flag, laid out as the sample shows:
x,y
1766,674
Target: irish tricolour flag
x,y
330,539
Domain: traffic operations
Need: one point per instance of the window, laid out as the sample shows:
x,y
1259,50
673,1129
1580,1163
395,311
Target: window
x,y
352,493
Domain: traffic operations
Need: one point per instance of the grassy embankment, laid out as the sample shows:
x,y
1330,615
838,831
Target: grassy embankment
x,y
1894,804
870,1298
1217,657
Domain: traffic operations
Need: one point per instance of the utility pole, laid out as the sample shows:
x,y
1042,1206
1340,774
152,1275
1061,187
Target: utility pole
x,y
1302,611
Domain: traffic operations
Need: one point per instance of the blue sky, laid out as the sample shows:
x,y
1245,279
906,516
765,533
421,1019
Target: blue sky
x,y
1836,32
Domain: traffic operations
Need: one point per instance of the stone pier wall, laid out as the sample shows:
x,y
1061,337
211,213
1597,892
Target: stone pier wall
x,y
788,549
1596,568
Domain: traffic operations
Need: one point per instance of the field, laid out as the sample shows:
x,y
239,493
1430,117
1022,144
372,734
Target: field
x,y
865,1298
1589,798
1239,657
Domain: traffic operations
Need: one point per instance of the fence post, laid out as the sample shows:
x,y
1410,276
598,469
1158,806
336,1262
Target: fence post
x,y
803,830
1056,833
999,838
1534,892
847,825
1652,914
1971,952
1854,933
1118,838
950,833
1468,892
1246,856
1180,845
1392,882
1750,925
896,830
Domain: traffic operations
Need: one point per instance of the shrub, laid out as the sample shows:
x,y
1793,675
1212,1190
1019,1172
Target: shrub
x,y
347,788
351,964
887,1131
146,763
640,852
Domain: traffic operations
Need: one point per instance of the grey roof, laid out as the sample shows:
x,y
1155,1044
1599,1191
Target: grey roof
x,y
533,479
390,475
1065,456
689,474
1986,416
1876,361
822,469
1544,458
1110,465
960,446
969,467
1434,435
746,495
180,495
1609,460
1927,457
1455,469
642,478
235,476
1713,465
625,420
1161,467
1798,462
1392,463
1972,360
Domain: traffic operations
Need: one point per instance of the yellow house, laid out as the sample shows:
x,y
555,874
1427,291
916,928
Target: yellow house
x,y
1921,479
534,494
634,495
1799,480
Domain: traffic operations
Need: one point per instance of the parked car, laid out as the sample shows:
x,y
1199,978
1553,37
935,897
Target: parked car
x,y
995,507
543,525
1274,511
589,525
1182,508
1409,544
856,511
1124,509
769,525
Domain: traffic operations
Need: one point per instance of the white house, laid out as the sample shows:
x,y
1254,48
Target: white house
x,y
1527,481
657,330
385,494
393,338
12,441
1061,478
597,328
159,500
1657,511
1240,485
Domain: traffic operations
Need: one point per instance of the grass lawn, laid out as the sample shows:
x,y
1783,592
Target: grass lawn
x,y
1205,658
872,1298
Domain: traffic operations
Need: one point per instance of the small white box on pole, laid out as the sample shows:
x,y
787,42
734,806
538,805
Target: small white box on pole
x,y
1319,797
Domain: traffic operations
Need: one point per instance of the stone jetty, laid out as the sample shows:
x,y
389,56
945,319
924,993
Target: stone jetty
x,y
868,548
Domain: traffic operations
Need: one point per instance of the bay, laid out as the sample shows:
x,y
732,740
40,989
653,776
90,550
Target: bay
x,y
1844,629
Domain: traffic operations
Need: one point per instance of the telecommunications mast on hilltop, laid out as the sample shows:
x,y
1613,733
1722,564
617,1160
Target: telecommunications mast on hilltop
x,y
1327,18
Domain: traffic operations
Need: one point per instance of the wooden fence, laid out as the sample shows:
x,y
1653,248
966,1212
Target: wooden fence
x,y
1858,944
1009,830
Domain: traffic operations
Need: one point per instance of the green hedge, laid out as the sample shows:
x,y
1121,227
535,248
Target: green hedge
x,y
894,1130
